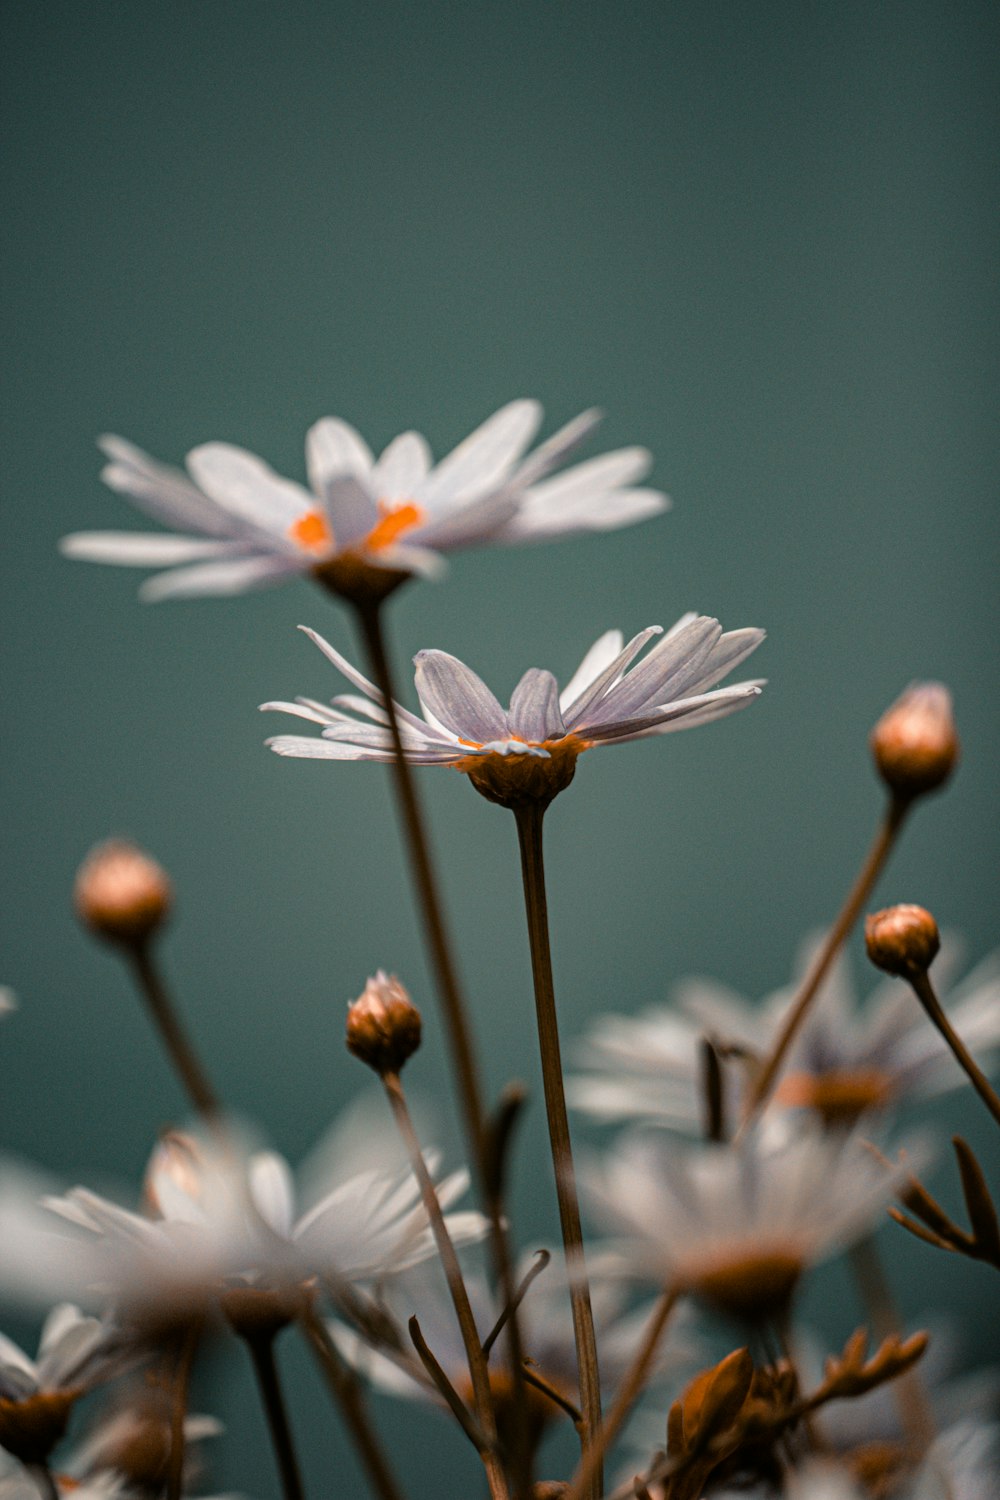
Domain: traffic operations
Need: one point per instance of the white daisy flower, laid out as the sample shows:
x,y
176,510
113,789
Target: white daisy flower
x,y
37,1395
737,1225
243,526
534,743
849,1057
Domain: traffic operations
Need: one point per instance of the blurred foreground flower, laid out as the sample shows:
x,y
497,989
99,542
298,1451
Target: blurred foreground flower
x,y
531,748
736,1226
250,527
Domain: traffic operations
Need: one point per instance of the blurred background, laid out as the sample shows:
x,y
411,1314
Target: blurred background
x,y
762,239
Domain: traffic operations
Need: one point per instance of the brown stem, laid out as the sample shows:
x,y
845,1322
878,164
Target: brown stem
x,y
478,1371
179,1049
348,1398
455,1013
856,899
630,1388
182,1382
529,817
924,991
908,1388
266,1369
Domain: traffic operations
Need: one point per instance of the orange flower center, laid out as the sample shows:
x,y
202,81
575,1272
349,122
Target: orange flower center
x,y
311,532
839,1095
393,521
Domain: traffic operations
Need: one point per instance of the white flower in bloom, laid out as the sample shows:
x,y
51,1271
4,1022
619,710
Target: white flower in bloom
x,y
244,526
610,699
848,1057
736,1225
69,1356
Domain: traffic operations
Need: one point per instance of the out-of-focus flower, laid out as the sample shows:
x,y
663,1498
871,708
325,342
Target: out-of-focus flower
x,y
737,1225
247,527
8,1000
37,1396
546,1327
848,1059
215,1216
962,1464
530,749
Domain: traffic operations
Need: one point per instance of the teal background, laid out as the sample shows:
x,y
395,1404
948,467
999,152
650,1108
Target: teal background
x,y
762,238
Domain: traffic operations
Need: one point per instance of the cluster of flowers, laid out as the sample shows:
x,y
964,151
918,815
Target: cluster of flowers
x,y
746,1154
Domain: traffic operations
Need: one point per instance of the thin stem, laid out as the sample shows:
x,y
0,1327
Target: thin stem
x,y
529,817
856,899
876,1294
178,1415
42,1475
478,1370
630,1388
455,1013
348,1398
924,991
179,1049
266,1369
444,1387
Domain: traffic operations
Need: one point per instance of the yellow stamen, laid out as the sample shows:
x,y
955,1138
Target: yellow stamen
x,y
311,531
394,520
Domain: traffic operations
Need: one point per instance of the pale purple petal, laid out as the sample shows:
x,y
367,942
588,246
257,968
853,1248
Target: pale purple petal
x,y
684,714
661,675
359,681
534,707
459,699
574,711
729,652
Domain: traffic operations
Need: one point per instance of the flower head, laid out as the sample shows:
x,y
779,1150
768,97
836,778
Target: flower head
x,y
37,1396
243,526
529,750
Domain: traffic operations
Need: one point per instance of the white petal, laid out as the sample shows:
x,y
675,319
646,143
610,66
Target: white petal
x,y
247,487
609,471
402,468
601,654
137,549
483,460
221,578
605,512
534,707
575,712
458,698
161,491
334,449
272,1191
548,455
351,509
661,676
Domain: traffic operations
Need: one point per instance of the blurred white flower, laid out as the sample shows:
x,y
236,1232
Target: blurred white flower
x,y
736,1225
8,1000
246,526
608,700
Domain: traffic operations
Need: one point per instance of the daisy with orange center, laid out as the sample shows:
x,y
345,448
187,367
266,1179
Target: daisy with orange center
x,y
529,750
237,525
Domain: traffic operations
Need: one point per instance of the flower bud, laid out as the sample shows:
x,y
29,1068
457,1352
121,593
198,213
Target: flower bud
x,y
122,894
902,939
383,1024
914,743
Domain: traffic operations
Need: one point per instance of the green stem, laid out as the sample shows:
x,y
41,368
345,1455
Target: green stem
x,y
856,899
266,1369
529,817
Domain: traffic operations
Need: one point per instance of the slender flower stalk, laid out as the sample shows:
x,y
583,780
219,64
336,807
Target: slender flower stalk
x,y
529,816
478,1369
453,1006
182,1384
869,873
347,1397
266,1369
925,993
186,1063
629,1390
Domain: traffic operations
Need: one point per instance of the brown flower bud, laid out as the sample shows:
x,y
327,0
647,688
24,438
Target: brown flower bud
x,y
122,894
383,1024
902,939
914,743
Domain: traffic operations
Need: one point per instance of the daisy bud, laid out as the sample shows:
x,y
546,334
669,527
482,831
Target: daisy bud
x,y
902,940
914,743
122,894
383,1025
